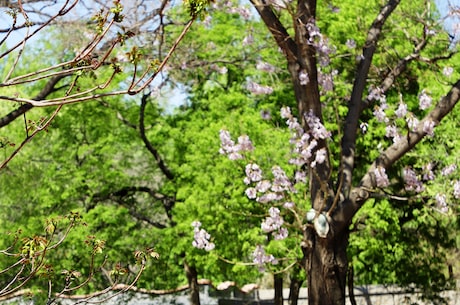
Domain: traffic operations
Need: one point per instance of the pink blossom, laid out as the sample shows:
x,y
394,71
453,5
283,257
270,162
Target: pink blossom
x,y
255,88
260,258
281,234
286,113
300,176
428,127
273,224
244,143
201,237
380,114
281,181
253,172
248,40
441,203
411,181
263,186
317,128
381,177
428,172
269,197
424,100
326,80
447,71
457,189
446,171
303,78
402,110
264,66
376,94
320,157
351,43
232,150
412,122
251,192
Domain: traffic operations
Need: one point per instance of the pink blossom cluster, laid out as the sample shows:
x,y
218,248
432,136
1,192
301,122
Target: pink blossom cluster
x,y
305,143
441,203
326,80
260,258
320,43
457,189
377,94
265,191
381,178
201,237
257,89
274,223
412,183
265,66
232,150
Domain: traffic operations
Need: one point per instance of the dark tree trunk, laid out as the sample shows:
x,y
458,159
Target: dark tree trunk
x,y
294,288
278,279
192,278
327,270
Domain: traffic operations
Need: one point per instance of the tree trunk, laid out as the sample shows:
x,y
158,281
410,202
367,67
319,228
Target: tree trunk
x,y
278,279
327,270
294,288
192,278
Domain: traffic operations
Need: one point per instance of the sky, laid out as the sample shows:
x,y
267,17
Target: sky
x,y
178,97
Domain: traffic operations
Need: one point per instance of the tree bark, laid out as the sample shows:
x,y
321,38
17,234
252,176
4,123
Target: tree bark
x,y
327,270
192,278
278,279
294,288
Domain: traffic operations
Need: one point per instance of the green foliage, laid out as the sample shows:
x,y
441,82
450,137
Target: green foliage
x,y
91,152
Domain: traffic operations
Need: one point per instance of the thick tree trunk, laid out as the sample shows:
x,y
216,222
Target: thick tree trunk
x,y
192,278
327,270
278,279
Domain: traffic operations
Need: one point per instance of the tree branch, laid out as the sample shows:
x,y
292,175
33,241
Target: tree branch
x,y
360,194
119,195
47,89
355,104
147,143
279,32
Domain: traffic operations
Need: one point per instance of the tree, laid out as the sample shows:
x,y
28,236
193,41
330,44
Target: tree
x,y
335,191
339,183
